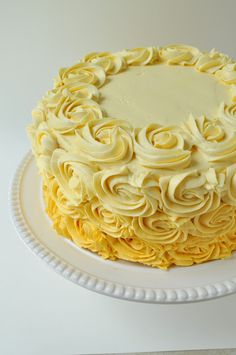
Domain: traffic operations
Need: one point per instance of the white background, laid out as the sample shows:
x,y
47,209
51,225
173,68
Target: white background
x,y
40,312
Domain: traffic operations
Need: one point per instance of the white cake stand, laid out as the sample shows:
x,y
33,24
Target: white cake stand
x,y
124,280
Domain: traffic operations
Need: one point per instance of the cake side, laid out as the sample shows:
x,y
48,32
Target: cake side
x,y
155,194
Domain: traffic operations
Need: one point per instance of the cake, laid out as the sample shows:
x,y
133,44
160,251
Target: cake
x,y
137,153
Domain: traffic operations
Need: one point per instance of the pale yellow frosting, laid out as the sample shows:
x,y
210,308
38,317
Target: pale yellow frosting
x,y
137,153
162,94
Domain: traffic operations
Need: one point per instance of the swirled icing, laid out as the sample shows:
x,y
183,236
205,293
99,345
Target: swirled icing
x,y
73,177
227,113
179,54
152,193
87,235
233,92
105,142
230,182
212,138
83,72
217,222
227,74
212,61
141,56
111,63
160,229
121,193
161,147
115,225
70,114
187,194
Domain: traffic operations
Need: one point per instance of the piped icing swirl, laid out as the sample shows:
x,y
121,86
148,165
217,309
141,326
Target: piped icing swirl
x,y
63,204
197,251
230,185
71,114
227,74
158,195
212,138
161,147
161,229
82,72
117,226
233,92
43,140
212,61
111,63
227,115
216,223
38,115
141,56
73,177
123,193
137,250
188,194
104,142
179,54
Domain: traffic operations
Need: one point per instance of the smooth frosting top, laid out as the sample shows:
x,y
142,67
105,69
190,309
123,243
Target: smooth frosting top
x,y
162,94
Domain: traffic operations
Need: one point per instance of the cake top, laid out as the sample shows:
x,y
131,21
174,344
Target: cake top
x,y
162,94
162,118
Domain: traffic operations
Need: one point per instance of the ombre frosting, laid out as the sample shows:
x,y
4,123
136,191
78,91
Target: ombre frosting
x,y
137,152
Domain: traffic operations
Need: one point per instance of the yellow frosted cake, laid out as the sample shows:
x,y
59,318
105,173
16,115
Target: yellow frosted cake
x,y
137,153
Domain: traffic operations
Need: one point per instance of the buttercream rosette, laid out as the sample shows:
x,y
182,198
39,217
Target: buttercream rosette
x,y
110,62
212,138
160,147
227,114
137,193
